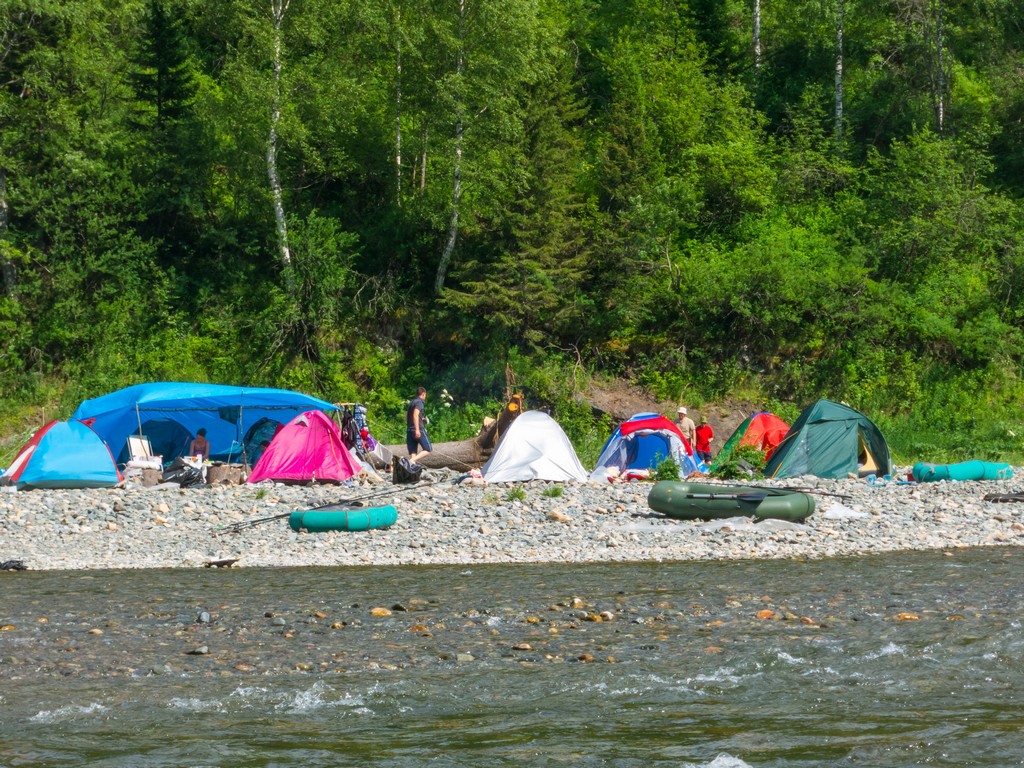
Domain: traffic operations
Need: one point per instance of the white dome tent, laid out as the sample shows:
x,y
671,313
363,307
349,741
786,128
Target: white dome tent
x,y
534,448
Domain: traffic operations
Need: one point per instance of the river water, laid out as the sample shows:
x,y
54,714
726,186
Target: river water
x,y
895,660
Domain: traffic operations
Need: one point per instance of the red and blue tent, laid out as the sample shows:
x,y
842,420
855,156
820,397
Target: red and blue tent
x,y
642,442
63,454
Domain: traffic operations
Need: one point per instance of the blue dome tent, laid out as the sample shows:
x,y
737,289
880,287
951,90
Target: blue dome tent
x,y
63,454
641,443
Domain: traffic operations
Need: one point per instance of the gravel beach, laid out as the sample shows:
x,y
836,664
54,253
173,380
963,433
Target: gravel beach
x,y
448,523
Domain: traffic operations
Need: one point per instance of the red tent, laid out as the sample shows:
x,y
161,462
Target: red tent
x,y
308,448
764,431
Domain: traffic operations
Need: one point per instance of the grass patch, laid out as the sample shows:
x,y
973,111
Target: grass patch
x,y
515,494
552,491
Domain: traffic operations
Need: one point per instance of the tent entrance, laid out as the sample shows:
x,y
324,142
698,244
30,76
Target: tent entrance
x,y
867,465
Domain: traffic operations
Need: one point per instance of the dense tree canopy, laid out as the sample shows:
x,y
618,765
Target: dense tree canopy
x,y
340,195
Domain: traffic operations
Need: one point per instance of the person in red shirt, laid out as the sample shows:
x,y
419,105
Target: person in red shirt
x,y
705,435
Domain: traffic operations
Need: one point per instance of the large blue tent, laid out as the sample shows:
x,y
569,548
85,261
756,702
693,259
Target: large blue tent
x,y
226,412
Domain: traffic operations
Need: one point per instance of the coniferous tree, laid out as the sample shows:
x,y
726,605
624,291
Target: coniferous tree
x,y
529,294
167,132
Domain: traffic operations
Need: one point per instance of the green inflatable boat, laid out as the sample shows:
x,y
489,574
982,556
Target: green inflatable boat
x,y
319,520
702,501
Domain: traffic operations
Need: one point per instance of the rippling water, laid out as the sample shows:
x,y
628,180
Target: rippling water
x,y
896,660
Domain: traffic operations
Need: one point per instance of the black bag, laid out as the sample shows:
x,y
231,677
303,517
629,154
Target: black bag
x,y
405,471
349,430
184,476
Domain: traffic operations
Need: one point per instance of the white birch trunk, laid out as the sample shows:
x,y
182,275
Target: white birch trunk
x,y
398,106
757,36
839,70
6,267
278,8
940,96
453,222
423,161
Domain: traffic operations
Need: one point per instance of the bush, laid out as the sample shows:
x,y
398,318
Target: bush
x,y
552,492
736,466
515,494
666,470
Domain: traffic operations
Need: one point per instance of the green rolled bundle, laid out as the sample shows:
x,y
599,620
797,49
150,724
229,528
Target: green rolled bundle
x,y
318,521
925,472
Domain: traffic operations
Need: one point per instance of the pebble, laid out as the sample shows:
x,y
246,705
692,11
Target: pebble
x,y
447,523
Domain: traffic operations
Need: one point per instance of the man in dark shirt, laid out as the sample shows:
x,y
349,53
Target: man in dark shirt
x,y
416,439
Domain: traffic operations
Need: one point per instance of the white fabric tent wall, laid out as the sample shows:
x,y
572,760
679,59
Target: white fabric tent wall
x,y
534,448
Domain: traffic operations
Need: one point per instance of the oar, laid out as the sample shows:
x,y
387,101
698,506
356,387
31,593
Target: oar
x,y
745,496
236,527
818,493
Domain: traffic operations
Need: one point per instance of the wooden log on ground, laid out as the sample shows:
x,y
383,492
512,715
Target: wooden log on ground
x,y
461,454
472,453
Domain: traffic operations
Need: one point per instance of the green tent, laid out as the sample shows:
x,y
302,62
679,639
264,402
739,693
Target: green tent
x,y
830,440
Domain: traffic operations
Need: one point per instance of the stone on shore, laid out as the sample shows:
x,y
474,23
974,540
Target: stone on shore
x,y
448,523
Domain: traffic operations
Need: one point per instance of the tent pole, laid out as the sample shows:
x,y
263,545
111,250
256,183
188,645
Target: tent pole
x,y
241,434
138,418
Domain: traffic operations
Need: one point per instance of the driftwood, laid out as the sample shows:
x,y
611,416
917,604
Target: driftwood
x,y
471,453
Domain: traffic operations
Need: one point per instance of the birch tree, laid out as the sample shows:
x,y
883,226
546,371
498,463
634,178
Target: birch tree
x,y
840,10
459,103
278,9
490,46
940,72
757,36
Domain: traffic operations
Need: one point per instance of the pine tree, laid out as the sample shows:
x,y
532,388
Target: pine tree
x,y
528,294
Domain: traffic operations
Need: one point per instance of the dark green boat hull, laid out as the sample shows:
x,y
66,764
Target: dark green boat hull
x,y
702,501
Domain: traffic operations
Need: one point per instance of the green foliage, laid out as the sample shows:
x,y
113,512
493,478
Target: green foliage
x,y
515,494
552,492
636,199
666,469
732,467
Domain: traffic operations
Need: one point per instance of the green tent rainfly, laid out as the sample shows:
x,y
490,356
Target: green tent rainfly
x,y
830,440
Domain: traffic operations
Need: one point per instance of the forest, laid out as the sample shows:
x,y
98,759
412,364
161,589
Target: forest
x,y
768,200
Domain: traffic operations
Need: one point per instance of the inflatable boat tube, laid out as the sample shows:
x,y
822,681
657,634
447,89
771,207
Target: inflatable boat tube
x,y
317,521
699,501
966,470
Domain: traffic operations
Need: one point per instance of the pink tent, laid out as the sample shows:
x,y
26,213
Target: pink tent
x,y
308,448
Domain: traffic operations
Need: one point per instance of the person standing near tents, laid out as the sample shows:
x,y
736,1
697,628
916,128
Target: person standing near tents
x,y
686,426
705,435
417,442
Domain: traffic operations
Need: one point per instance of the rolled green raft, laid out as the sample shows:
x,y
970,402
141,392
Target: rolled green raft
x,y
319,520
966,470
700,501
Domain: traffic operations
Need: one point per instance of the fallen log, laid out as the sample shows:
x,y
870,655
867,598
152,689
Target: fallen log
x,y
474,452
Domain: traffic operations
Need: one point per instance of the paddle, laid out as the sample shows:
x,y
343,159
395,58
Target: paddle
x,y
340,505
818,493
744,496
